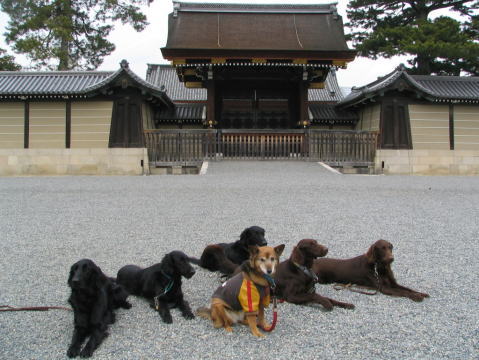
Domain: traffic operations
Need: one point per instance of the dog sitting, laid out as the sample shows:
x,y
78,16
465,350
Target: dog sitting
x,y
226,257
295,281
160,284
243,297
372,270
94,297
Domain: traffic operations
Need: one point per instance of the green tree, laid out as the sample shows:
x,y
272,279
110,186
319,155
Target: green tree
x,y
67,34
441,45
7,62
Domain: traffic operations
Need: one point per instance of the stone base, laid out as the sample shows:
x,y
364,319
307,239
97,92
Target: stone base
x,y
427,162
94,161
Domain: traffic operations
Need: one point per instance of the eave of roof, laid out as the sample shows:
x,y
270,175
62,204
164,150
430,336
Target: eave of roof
x,y
425,86
252,8
165,76
69,84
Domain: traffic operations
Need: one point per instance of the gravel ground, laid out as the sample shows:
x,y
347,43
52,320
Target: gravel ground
x,y
48,223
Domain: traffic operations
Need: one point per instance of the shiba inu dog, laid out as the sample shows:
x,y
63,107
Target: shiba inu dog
x,y
242,298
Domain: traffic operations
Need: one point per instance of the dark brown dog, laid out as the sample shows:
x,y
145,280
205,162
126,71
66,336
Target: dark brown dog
x,y
295,282
372,270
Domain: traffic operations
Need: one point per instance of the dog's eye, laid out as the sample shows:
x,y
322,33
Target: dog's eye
x,y
262,259
272,259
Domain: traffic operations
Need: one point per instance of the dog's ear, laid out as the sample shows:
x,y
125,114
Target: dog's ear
x,y
253,251
168,264
244,237
371,254
279,250
297,255
97,276
70,276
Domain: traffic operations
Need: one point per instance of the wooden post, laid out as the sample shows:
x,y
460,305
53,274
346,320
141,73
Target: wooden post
x,y
451,126
303,103
211,105
26,126
68,124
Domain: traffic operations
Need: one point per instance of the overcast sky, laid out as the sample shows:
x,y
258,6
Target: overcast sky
x,y
142,48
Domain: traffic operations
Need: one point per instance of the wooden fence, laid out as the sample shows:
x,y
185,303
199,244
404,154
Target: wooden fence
x,y
192,146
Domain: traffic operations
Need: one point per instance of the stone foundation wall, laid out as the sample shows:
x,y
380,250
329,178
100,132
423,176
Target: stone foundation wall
x,y
427,162
94,161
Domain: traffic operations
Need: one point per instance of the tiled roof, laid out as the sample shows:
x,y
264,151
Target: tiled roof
x,y
431,87
165,75
184,112
69,83
49,82
330,114
259,31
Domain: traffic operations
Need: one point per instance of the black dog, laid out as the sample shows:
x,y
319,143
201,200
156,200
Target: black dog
x,y
93,298
225,257
160,284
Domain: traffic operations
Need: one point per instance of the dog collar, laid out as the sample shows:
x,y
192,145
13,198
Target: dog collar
x,y
307,272
270,281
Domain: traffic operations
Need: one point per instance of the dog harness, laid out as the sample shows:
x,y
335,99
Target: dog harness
x,y
241,293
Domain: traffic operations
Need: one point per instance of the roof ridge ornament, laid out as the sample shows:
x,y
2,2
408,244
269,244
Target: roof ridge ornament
x,y
124,64
176,7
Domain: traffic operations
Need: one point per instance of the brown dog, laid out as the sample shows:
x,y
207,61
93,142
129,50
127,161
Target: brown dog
x,y
243,297
372,270
295,281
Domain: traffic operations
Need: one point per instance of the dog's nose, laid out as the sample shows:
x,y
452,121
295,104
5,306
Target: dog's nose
x,y
325,251
269,271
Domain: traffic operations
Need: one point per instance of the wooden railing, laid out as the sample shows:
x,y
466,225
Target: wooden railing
x,y
190,146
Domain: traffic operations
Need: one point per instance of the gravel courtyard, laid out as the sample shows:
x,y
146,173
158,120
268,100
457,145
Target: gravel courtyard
x,y
48,223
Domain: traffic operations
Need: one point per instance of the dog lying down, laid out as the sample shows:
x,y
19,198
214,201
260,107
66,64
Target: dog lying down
x,y
295,280
94,297
226,257
160,284
372,270
242,298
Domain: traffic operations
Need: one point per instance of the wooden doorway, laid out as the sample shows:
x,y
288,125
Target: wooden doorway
x,y
395,127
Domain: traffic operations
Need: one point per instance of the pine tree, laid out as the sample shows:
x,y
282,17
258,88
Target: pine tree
x,y
67,34
7,62
441,45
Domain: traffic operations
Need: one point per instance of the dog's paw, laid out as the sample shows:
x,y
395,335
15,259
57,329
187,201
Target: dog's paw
x,y
416,297
167,319
188,316
73,352
126,305
86,352
349,306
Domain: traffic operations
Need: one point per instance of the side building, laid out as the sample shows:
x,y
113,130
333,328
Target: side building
x,y
427,124
68,122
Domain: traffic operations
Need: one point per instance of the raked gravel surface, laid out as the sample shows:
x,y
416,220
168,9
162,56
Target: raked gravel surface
x,y
48,223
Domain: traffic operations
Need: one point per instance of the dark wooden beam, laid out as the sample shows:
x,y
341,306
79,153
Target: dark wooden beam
x,y
26,126
451,126
210,106
68,123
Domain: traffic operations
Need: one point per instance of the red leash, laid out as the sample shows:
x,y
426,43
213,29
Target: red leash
x,y
275,316
32,308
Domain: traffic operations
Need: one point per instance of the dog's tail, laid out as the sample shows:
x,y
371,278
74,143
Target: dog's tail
x,y
194,260
204,312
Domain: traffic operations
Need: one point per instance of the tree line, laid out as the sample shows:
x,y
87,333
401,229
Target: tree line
x,y
72,34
